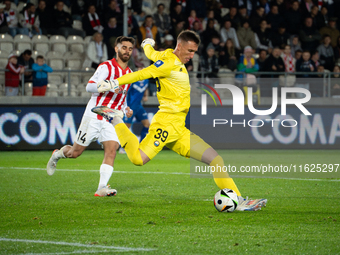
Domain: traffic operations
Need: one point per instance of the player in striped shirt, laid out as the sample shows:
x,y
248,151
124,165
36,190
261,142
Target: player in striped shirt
x,y
93,127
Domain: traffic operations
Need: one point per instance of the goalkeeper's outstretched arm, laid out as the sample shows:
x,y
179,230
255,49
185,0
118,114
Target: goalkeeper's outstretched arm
x,y
161,69
149,51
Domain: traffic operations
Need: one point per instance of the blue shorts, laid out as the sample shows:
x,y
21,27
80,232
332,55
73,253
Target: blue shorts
x,y
138,112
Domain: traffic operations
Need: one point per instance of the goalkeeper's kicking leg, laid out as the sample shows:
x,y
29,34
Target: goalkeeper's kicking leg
x,y
188,146
203,152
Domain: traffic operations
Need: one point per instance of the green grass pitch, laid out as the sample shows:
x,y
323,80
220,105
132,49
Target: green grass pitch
x,y
160,209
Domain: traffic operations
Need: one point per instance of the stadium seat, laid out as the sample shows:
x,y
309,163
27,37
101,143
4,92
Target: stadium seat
x,y
53,54
52,87
77,47
52,90
72,55
6,42
4,53
55,78
16,52
76,44
74,64
63,90
86,77
88,39
75,79
59,47
56,63
3,58
36,53
58,43
74,60
28,89
6,38
77,24
3,62
52,94
41,43
57,38
84,94
81,87
74,39
22,42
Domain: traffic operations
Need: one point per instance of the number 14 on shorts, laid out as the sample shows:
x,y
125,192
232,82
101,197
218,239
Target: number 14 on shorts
x,y
81,137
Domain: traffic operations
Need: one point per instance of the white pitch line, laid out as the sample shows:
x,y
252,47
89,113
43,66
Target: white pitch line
x,y
72,252
171,173
76,244
83,170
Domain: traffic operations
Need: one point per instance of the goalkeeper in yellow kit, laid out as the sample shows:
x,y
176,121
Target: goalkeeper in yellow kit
x,y
168,125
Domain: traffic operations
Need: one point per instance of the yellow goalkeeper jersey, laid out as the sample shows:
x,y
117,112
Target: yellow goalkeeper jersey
x,y
173,86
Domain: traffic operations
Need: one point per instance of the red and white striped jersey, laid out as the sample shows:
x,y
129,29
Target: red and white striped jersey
x,y
108,70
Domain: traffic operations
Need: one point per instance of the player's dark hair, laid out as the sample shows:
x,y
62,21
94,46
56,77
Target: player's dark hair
x,y
121,39
188,35
40,57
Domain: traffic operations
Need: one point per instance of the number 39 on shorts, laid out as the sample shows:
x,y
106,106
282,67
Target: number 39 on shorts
x,y
161,134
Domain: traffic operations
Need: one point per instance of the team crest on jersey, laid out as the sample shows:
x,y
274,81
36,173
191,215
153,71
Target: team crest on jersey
x,y
159,63
181,69
156,143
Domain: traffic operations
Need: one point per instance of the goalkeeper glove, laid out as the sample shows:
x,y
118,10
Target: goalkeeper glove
x,y
107,85
148,41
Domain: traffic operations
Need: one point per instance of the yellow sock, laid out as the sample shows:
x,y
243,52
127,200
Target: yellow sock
x,y
222,179
130,143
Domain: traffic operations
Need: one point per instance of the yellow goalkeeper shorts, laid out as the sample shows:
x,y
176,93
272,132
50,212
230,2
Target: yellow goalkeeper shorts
x,y
168,129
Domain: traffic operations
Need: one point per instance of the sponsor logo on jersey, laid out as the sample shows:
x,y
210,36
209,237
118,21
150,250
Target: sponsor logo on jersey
x,y
159,63
156,143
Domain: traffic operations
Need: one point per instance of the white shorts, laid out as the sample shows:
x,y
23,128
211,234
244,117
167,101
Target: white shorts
x,y
91,130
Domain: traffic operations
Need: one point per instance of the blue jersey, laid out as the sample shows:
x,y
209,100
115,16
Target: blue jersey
x,y
136,93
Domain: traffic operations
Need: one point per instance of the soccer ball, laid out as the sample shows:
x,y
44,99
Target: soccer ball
x,y
226,200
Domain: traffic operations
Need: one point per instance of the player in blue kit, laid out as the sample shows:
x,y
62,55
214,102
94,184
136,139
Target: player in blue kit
x,y
137,93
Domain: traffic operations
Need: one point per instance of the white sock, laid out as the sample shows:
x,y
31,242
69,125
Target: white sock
x,y
105,175
116,120
60,154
